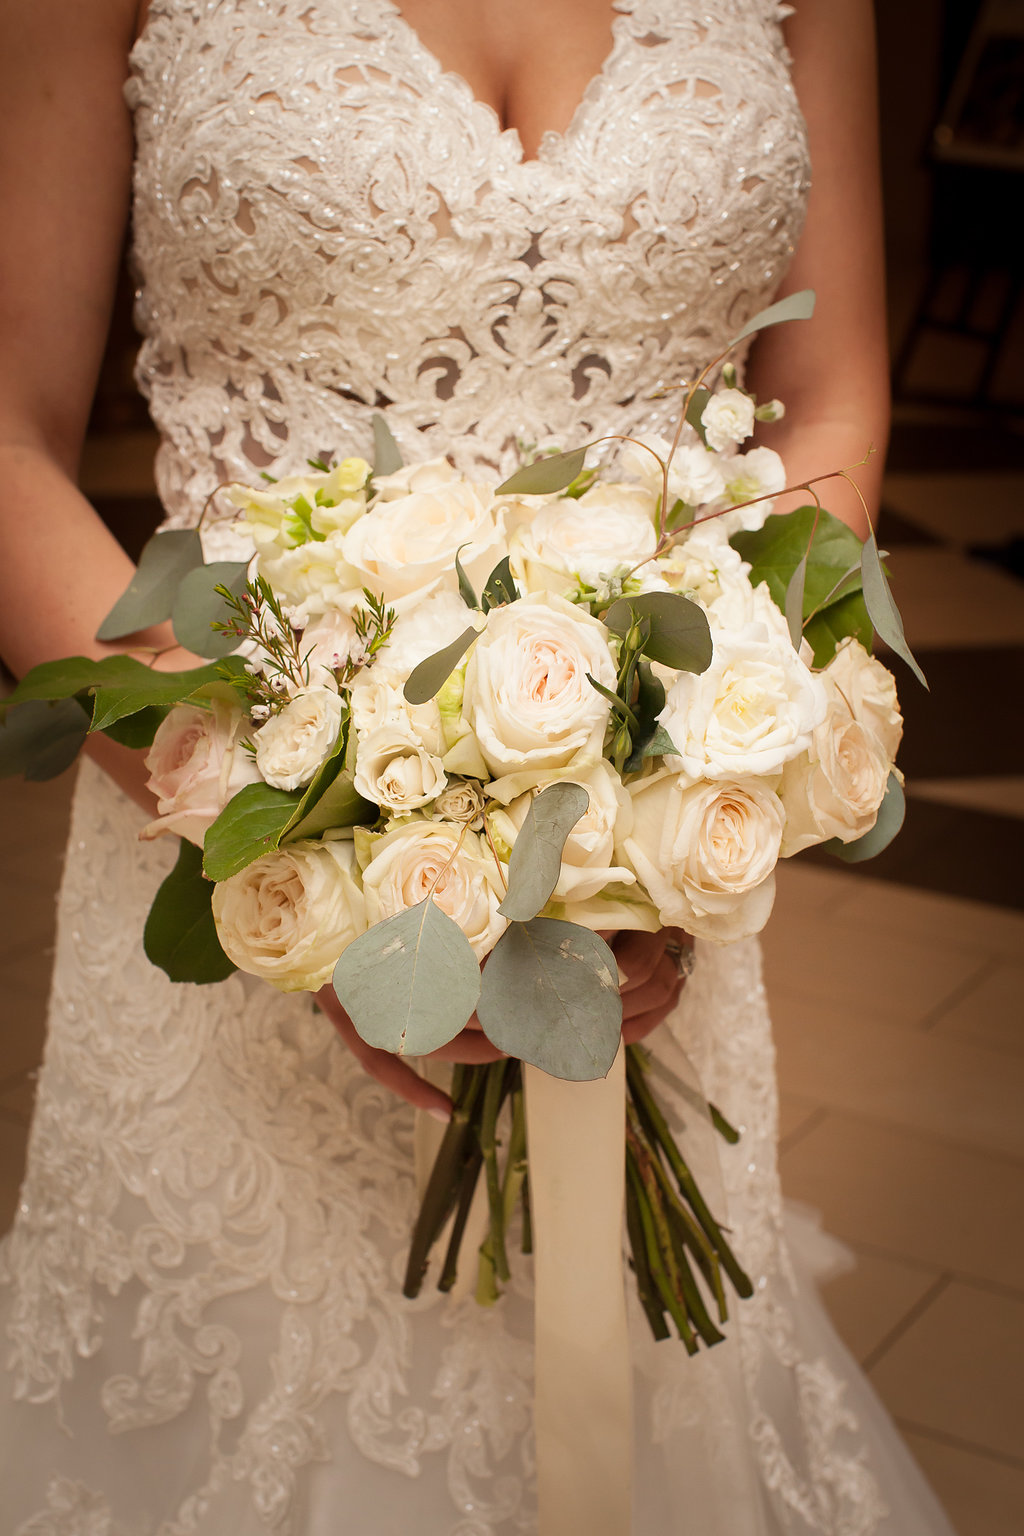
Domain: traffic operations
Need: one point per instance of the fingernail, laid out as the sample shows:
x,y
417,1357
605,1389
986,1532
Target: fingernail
x,y
444,1115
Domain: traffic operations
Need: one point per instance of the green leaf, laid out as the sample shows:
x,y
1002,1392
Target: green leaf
x,y
180,935
848,616
134,690
775,551
890,819
198,606
71,675
552,472
387,456
550,995
40,739
465,585
500,587
330,799
695,411
149,597
798,306
536,859
427,679
680,635
410,983
884,614
619,707
660,745
794,603
138,730
650,701
250,825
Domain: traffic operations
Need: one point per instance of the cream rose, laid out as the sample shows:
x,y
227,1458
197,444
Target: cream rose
x,y
462,801
288,916
394,772
608,528
328,643
588,859
526,696
404,549
869,690
706,567
706,853
293,743
752,710
728,418
836,788
196,763
455,866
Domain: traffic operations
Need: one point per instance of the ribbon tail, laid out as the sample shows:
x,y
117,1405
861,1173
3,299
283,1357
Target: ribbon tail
x,y
583,1388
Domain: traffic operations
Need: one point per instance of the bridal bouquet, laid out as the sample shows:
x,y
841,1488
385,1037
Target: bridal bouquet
x,y
451,733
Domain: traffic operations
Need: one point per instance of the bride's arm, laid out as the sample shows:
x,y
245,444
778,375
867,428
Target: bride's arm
x,y
65,165
832,373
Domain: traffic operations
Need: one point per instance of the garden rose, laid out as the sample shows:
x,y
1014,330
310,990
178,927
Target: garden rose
x,y
293,743
196,763
870,691
750,712
526,694
707,852
395,772
836,788
606,529
287,916
406,864
589,860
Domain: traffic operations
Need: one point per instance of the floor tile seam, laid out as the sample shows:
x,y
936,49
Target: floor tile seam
x,y
950,1144
863,1247
903,1324
959,993
795,1136
959,1443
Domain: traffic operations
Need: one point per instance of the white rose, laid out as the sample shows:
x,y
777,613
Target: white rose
x,y
293,743
751,711
310,578
526,693
836,788
462,801
395,772
870,691
425,629
288,915
327,644
430,475
728,418
376,700
406,548
706,853
406,865
606,529
694,475
707,567
196,764
589,860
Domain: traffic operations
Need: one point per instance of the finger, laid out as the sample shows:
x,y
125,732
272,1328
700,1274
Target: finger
x,y
641,1024
471,1047
637,955
661,989
388,1070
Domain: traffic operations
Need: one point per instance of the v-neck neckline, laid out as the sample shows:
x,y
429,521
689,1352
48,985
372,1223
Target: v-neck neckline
x,y
551,138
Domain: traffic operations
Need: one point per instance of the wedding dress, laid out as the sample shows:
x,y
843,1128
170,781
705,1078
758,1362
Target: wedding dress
x,y
203,1325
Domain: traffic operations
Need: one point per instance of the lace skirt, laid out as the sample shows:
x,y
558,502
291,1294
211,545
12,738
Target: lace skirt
x,y
202,1319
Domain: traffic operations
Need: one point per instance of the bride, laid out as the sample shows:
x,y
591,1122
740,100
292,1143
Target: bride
x,y
497,226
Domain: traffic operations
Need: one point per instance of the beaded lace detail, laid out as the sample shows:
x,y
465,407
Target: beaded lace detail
x,y
211,1234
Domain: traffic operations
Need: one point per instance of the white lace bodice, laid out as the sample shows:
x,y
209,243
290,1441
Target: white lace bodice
x,y
204,1274
328,225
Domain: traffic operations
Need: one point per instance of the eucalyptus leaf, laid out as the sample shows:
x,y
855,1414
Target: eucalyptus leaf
x,y
798,306
775,551
40,739
250,825
500,587
550,995
387,456
890,820
465,585
536,859
680,635
180,935
848,616
884,614
553,472
198,606
410,983
430,676
794,604
695,410
149,597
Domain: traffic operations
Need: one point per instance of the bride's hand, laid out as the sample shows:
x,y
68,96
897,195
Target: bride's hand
x,y
651,987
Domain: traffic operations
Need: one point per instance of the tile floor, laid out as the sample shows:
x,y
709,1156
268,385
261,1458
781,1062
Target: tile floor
x,y
900,1039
